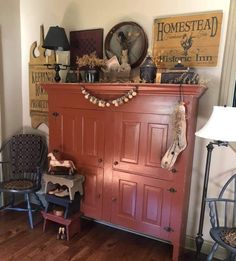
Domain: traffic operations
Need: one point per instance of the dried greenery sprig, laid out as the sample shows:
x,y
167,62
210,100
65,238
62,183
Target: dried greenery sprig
x,y
90,60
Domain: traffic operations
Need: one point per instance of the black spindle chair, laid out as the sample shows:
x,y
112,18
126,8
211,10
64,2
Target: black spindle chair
x,y
223,220
25,158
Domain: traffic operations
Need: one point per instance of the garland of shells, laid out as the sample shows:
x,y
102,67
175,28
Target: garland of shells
x,y
107,103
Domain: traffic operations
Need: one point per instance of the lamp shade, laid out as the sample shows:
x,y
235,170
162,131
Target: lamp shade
x,y
221,126
56,39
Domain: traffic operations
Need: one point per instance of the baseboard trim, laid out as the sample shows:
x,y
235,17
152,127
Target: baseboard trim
x,y
206,247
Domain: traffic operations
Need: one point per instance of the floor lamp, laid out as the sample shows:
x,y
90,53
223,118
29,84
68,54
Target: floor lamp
x,y
221,129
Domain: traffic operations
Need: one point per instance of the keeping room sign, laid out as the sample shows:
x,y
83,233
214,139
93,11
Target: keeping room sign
x,y
39,73
191,39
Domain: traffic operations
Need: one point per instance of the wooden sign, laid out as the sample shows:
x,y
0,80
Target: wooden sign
x,y
39,73
193,39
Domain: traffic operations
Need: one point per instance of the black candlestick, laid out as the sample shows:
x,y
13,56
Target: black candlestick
x,y
57,67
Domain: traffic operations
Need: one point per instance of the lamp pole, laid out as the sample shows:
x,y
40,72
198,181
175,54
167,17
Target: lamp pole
x,y
199,239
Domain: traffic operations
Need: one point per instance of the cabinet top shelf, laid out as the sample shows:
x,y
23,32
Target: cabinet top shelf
x,y
145,88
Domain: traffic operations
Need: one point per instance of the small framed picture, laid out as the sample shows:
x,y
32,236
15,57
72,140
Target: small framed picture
x,y
85,42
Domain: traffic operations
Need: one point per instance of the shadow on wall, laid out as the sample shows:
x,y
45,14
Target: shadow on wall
x,y
70,15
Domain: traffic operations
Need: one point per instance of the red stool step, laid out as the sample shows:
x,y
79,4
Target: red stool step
x,y
72,224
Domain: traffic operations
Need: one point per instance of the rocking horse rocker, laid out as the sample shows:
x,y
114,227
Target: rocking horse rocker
x,y
60,167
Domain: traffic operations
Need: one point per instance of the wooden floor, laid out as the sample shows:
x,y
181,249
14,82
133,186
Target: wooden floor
x,y
96,242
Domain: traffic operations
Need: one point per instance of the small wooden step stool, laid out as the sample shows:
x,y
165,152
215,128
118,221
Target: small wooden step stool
x,y
74,183
71,206
72,224
71,203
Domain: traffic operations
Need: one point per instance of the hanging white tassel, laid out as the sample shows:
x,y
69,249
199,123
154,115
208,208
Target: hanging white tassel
x,y
179,142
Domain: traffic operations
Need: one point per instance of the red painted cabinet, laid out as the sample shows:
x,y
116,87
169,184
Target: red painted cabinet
x,y
119,150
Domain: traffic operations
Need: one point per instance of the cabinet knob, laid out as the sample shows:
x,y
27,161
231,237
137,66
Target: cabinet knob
x,y
168,229
99,160
172,190
113,199
173,170
116,163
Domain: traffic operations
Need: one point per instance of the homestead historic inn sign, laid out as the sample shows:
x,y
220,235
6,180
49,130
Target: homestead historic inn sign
x,y
193,39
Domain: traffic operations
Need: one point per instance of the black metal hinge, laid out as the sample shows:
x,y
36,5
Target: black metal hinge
x,y
55,114
168,229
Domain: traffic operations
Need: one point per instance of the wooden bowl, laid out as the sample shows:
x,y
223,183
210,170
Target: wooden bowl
x,y
58,212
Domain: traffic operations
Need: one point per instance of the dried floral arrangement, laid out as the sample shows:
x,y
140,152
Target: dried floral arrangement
x,y
90,60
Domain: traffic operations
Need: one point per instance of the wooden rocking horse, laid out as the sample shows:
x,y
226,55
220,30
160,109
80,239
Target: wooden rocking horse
x,y
57,166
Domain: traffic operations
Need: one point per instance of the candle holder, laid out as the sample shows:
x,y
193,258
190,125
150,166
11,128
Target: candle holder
x,y
56,40
57,67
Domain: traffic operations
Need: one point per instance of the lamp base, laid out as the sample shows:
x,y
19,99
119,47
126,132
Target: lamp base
x,y
57,67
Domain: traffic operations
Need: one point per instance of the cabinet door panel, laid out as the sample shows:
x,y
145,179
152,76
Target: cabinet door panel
x,y
156,143
124,200
130,142
155,207
92,199
152,196
127,198
64,132
91,138
140,142
55,122
141,203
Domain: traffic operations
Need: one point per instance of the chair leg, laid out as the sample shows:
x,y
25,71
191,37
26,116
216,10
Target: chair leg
x,y
232,257
213,250
29,210
39,200
12,200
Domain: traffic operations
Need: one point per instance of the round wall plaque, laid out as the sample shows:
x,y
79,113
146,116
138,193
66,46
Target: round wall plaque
x,y
127,38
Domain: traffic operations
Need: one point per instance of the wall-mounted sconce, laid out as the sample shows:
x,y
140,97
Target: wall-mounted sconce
x,y
56,40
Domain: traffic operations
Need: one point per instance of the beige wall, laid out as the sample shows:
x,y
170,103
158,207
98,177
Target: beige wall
x,y
83,14
10,68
